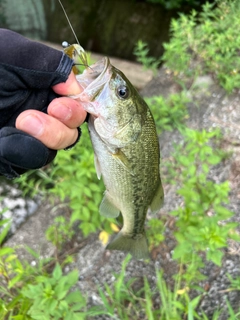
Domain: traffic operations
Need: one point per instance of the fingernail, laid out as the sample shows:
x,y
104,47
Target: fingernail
x,y
32,125
61,112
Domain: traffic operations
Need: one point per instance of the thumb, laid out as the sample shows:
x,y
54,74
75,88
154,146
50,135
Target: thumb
x,y
70,87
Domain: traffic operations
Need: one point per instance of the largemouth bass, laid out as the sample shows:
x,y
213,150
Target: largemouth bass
x,y
126,150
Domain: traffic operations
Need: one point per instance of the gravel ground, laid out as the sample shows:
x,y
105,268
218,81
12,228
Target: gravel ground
x,y
210,107
15,206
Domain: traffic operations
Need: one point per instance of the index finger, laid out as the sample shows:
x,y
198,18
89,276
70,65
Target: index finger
x,y
70,87
68,111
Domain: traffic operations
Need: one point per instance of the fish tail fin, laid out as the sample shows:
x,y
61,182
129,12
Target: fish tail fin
x,y
138,247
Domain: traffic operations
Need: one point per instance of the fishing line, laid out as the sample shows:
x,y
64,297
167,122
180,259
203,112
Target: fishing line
x,y
65,43
70,25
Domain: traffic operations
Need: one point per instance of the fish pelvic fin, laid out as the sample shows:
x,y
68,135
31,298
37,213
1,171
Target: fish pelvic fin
x,y
137,247
158,199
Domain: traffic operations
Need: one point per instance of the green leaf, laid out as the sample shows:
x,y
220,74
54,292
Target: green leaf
x,y
195,301
14,280
7,251
215,257
52,305
57,272
74,297
4,232
61,293
72,278
35,254
223,213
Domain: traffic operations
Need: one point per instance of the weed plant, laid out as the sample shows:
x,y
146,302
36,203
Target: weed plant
x,y
28,292
169,113
141,51
199,223
207,42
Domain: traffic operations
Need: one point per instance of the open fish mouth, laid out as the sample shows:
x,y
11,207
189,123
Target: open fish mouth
x,y
95,76
98,69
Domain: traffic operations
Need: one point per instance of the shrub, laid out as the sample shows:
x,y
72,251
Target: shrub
x,y
169,113
207,42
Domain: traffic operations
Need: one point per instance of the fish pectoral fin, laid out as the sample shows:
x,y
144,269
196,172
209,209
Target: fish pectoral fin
x,y
121,158
138,247
107,208
97,166
158,198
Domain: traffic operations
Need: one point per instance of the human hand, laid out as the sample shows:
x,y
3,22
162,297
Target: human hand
x,y
34,120
63,116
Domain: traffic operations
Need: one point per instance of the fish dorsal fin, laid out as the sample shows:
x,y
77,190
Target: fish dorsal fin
x,y
107,208
158,198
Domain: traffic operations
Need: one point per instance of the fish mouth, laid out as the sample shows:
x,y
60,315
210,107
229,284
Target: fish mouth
x,y
98,69
93,79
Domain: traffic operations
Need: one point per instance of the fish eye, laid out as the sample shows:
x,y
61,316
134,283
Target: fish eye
x,y
123,92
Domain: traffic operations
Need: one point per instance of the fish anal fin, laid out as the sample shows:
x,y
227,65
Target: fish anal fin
x,y
107,208
158,198
137,247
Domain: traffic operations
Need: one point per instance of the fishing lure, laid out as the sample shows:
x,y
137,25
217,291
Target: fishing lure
x,y
74,51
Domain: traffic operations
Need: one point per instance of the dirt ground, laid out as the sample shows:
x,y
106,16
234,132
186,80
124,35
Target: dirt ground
x,y
210,107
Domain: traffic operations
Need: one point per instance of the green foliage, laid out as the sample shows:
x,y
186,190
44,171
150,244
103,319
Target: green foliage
x,y
207,43
28,292
235,283
5,226
199,220
50,297
60,232
123,302
169,113
233,315
14,276
155,231
32,293
176,303
141,51
120,295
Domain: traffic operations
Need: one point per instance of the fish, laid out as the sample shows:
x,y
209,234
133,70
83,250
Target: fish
x,y
126,152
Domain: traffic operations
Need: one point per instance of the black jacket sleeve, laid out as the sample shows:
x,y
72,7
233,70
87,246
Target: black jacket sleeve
x,y
28,70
